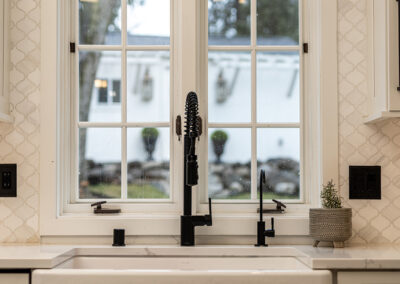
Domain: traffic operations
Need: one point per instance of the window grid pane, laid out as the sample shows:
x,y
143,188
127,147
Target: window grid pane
x,y
112,92
290,41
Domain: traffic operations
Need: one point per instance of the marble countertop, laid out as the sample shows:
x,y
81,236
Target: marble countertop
x,y
33,256
353,257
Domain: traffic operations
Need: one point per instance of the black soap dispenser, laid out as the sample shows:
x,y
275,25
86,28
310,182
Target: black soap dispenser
x,y
119,238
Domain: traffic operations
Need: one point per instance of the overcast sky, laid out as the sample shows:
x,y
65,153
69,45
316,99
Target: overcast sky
x,y
152,18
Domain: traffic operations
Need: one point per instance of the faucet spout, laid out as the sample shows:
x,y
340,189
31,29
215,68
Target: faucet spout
x,y
191,176
261,232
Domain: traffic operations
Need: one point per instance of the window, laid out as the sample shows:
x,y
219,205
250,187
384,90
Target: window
x,y
102,88
116,91
264,104
255,74
124,151
253,113
103,95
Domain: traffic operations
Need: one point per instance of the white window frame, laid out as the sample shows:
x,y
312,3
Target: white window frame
x,y
321,141
68,109
249,205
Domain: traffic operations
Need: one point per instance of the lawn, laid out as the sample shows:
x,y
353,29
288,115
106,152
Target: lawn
x,y
135,191
266,196
148,191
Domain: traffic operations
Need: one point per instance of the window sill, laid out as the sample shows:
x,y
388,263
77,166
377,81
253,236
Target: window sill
x,y
168,225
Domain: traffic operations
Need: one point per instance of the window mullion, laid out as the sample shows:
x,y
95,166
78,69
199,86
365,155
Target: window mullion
x,y
75,105
204,141
188,64
253,27
253,16
124,157
302,104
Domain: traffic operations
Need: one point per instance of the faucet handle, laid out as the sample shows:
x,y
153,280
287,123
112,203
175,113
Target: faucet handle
x,y
271,232
208,218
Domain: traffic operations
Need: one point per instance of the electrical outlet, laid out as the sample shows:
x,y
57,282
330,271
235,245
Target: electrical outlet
x,y
365,182
8,180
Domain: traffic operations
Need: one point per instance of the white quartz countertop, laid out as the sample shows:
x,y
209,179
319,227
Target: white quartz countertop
x,y
354,257
33,256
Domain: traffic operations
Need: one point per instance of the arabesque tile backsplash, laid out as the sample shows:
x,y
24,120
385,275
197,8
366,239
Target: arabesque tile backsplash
x,y
19,142
373,221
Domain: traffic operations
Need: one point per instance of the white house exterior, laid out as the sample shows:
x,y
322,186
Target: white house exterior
x,y
148,100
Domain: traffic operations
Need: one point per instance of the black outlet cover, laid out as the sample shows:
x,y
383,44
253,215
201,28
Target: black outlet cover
x,y
8,180
365,182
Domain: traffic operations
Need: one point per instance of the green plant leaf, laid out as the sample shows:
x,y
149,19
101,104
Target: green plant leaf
x,y
330,197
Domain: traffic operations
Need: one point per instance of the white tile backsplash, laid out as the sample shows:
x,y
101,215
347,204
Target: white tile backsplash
x,y
360,144
19,142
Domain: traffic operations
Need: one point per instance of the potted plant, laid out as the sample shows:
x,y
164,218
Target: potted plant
x,y
149,136
332,223
219,139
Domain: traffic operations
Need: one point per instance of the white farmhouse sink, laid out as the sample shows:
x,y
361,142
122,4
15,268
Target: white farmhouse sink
x,y
186,263
182,266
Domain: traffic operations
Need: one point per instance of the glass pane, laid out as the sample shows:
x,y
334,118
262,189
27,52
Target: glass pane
x,y
116,91
229,22
229,86
148,86
148,163
99,163
99,75
229,163
278,153
278,87
277,22
100,22
148,22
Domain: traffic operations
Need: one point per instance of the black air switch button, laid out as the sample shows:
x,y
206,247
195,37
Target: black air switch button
x,y
8,180
365,182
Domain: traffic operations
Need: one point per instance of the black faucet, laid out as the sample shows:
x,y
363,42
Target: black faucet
x,y
192,130
261,232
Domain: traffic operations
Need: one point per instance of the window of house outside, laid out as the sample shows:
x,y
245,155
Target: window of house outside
x,y
125,101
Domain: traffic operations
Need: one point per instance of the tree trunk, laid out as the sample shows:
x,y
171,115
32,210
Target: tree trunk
x,y
99,16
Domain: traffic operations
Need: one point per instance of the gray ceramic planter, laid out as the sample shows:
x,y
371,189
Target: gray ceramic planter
x,y
330,225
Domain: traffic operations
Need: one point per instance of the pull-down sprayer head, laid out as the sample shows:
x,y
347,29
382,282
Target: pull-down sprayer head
x,y
191,133
191,114
262,181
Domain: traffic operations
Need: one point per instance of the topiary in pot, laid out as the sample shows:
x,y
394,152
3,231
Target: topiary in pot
x,y
332,223
219,138
149,136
